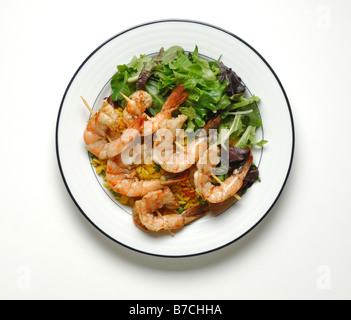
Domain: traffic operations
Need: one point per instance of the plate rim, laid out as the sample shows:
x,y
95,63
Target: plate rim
x,y
178,21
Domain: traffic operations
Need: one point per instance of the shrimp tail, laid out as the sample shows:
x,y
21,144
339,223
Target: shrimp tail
x,y
212,123
175,179
195,213
138,123
171,109
176,98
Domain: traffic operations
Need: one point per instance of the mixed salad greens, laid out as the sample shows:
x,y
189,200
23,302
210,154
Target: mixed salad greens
x,y
214,89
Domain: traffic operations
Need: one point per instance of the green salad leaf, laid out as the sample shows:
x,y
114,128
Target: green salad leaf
x,y
213,89
119,82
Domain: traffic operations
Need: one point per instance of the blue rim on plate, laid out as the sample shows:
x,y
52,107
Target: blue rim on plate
x,y
191,22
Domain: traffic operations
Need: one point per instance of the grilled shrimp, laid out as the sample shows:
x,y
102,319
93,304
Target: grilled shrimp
x,y
173,124
122,179
96,133
228,188
137,103
180,161
184,159
104,120
175,99
147,218
140,100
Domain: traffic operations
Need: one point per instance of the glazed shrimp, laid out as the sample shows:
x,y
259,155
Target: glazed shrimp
x,y
122,179
146,218
178,162
95,134
140,100
173,124
228,188
104,120
175,99
136,105
189,155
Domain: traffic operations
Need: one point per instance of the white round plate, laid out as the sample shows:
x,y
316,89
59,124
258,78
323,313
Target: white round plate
x,y
92,82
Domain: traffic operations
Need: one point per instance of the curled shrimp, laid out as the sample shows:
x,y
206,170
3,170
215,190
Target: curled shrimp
x,y
175,99
228,188
122,179
187,156
136,105
147,216
104,120
163,153
174,124
140,100
98,127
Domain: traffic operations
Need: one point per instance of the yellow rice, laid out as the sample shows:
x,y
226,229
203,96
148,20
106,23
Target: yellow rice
x,y
149,172
185,200
121,125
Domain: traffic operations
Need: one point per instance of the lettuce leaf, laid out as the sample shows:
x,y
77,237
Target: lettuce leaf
x,y
157,99
212,89
242,126
119,82
230,127
248,138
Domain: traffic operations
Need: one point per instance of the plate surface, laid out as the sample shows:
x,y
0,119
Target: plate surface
x,y
92,82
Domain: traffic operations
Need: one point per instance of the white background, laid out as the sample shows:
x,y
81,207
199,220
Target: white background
x,y
301,250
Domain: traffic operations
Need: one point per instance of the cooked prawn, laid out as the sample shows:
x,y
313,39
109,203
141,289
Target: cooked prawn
x,y
228,188
95,134
173,124
175,99
189,155
180,161
122,179
146,218
98,125
140,100
136,105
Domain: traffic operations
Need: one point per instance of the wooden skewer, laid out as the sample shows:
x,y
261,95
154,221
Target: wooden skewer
x,y
87,105
128,99
217,179
220,181
179,145
125,97
237,196
170,232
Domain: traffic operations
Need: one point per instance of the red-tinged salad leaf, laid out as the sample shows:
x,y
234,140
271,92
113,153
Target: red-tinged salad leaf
x,y
237,158
235,86
251,177
155,65
148,68
238,154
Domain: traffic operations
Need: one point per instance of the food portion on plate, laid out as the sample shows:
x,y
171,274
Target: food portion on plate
x,y
175,137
